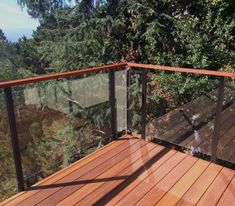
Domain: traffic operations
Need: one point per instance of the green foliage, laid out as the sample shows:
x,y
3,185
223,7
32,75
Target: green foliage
x,y
198,34
168,91
13,62
134,102
7,170
39,8
8,59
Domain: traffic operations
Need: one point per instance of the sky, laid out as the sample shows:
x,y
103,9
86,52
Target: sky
x,y
15,21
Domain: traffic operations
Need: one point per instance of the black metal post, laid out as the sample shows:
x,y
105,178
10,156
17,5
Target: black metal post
x,y
217,126
144,103
112,100
70,97
14,138
40,96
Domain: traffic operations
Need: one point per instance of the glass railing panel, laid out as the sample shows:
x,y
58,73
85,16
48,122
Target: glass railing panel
x,y
60,121
134,101
8,185
226,144
121,99
181,110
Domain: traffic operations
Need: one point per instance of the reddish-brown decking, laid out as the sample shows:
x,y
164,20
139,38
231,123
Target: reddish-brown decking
x,y
130,171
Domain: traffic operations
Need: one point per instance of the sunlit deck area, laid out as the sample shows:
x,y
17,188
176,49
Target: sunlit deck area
x,y
131,171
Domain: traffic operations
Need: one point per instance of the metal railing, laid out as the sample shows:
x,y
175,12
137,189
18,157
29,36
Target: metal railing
x,y
220,96
6,86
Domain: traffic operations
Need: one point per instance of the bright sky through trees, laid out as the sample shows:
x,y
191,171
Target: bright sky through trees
x,y
14,21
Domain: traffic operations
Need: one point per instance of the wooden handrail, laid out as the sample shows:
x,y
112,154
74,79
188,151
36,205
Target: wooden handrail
x,y
185,70
59,75
107,67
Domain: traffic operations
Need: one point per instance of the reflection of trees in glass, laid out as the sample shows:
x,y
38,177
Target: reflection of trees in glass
x,y
7,170
171,90
50,123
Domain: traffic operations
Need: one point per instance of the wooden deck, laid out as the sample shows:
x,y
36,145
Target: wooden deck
x,y
130,171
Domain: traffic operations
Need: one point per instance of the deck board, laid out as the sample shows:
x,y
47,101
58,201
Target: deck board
x,y
192,196
131,171
87,172
217,188
229,195
141,189
136,172
160,189
150,177
117,170
179,189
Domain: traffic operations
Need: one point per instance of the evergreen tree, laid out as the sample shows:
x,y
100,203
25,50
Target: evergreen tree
x,y
180,33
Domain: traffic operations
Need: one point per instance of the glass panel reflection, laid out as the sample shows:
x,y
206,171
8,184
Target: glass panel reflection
x,y
226,144
60,121
181,109
7,166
